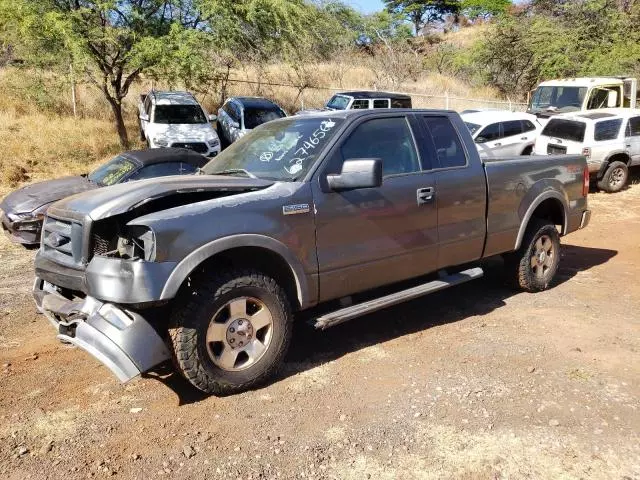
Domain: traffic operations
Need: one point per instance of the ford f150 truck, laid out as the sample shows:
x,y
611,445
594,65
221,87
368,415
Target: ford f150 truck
x,y
313,213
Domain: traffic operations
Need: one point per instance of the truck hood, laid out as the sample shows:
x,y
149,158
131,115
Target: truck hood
x,y
31,197
177,190
199,132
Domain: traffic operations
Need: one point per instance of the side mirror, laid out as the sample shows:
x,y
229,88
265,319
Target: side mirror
x,y
357,173
213,117
234,124
144,117
612,99
481,140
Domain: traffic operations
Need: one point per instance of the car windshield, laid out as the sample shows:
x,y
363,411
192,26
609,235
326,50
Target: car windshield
x,y
179,114
473,127
557,99
283,150
257,116
112,172
338,102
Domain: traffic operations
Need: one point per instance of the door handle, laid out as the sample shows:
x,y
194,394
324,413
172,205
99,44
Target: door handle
x,y
524,138
425,195
497,144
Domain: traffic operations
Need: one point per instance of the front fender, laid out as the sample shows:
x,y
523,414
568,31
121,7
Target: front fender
x,y
307,294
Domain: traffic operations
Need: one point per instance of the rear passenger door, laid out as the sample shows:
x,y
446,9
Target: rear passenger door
x,y
513,141
460,192
632,140
370,237
489,139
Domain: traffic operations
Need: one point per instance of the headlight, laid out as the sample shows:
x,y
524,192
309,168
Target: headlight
x,y
138,243
214,142
26,222
161,142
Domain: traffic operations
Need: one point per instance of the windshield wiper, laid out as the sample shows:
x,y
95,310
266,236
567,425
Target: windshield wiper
x,y
235,171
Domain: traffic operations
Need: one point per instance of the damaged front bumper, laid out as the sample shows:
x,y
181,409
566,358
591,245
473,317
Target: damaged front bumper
x,y
120,339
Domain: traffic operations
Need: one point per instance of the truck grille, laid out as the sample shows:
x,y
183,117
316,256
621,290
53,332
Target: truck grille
x,y
556,150
100,245
195,146
62,240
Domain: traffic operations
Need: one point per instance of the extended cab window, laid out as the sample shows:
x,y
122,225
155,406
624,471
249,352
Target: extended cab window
x,y
448,145
633,128
389,139
489,134
565,129
607,130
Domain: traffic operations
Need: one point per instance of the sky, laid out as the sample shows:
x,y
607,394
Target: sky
x,y
367,6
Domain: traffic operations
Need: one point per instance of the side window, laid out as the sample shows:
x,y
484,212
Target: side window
x,y
607,130
147,105
447,142
162,170
360,104
389,139
633,128
489,133
231,110
381,103
512,128
528,126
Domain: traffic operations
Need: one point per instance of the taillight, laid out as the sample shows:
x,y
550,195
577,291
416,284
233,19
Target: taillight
x,y
586,152
585,182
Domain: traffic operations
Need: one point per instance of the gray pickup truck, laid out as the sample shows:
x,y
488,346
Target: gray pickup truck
x,y
311,213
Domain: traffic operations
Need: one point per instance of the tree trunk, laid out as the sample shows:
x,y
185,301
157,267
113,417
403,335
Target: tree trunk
x,y
121,128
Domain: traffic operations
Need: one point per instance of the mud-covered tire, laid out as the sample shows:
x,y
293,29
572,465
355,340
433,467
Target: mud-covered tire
x,y
614,178
221,136
528,268
197,309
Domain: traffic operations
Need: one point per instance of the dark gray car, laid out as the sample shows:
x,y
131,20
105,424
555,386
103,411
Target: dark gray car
x,y
239,115
210,270
22,211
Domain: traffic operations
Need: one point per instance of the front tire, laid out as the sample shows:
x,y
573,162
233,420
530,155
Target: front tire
x,y
534,265
614,178
231,331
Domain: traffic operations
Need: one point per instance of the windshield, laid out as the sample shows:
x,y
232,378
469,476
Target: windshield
x,y
179,114
112,172
338,102
257,116
283,150
565,129
557,99
473,127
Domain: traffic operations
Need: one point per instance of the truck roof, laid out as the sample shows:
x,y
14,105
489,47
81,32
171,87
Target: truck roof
x,y
600,114
374,94
582,82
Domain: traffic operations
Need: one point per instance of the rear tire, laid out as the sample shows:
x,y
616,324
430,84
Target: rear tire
x,y
231,331
614,178
533,266
223,140
142,136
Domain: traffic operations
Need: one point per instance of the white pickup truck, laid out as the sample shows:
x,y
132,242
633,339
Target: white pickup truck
x,y
608,138
567,95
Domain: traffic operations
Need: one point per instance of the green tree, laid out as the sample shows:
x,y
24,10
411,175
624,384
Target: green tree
x,y
484,8
423,13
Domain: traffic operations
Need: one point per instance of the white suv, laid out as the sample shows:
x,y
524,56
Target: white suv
x,y
176,119
608,138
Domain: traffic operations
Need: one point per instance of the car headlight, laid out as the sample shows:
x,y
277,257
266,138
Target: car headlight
x,y
161,142
214,142
28,221
139,242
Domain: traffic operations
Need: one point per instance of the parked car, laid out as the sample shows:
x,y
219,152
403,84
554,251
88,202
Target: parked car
x,y
239,115
608,138
500,133
359,100
176,119
22,211
300,213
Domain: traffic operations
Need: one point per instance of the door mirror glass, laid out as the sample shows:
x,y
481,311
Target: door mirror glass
x,y
357,173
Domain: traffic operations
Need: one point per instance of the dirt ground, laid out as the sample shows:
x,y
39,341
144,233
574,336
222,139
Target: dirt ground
x,y
477,382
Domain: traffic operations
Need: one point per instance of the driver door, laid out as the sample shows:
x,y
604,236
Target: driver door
x,y
370,237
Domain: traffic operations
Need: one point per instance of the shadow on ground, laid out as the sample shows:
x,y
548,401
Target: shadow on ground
x,y
310,348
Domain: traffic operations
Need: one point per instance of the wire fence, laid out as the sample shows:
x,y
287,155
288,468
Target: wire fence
x,y
311,96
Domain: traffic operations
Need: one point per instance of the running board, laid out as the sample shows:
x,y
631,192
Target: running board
x,y
353,311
